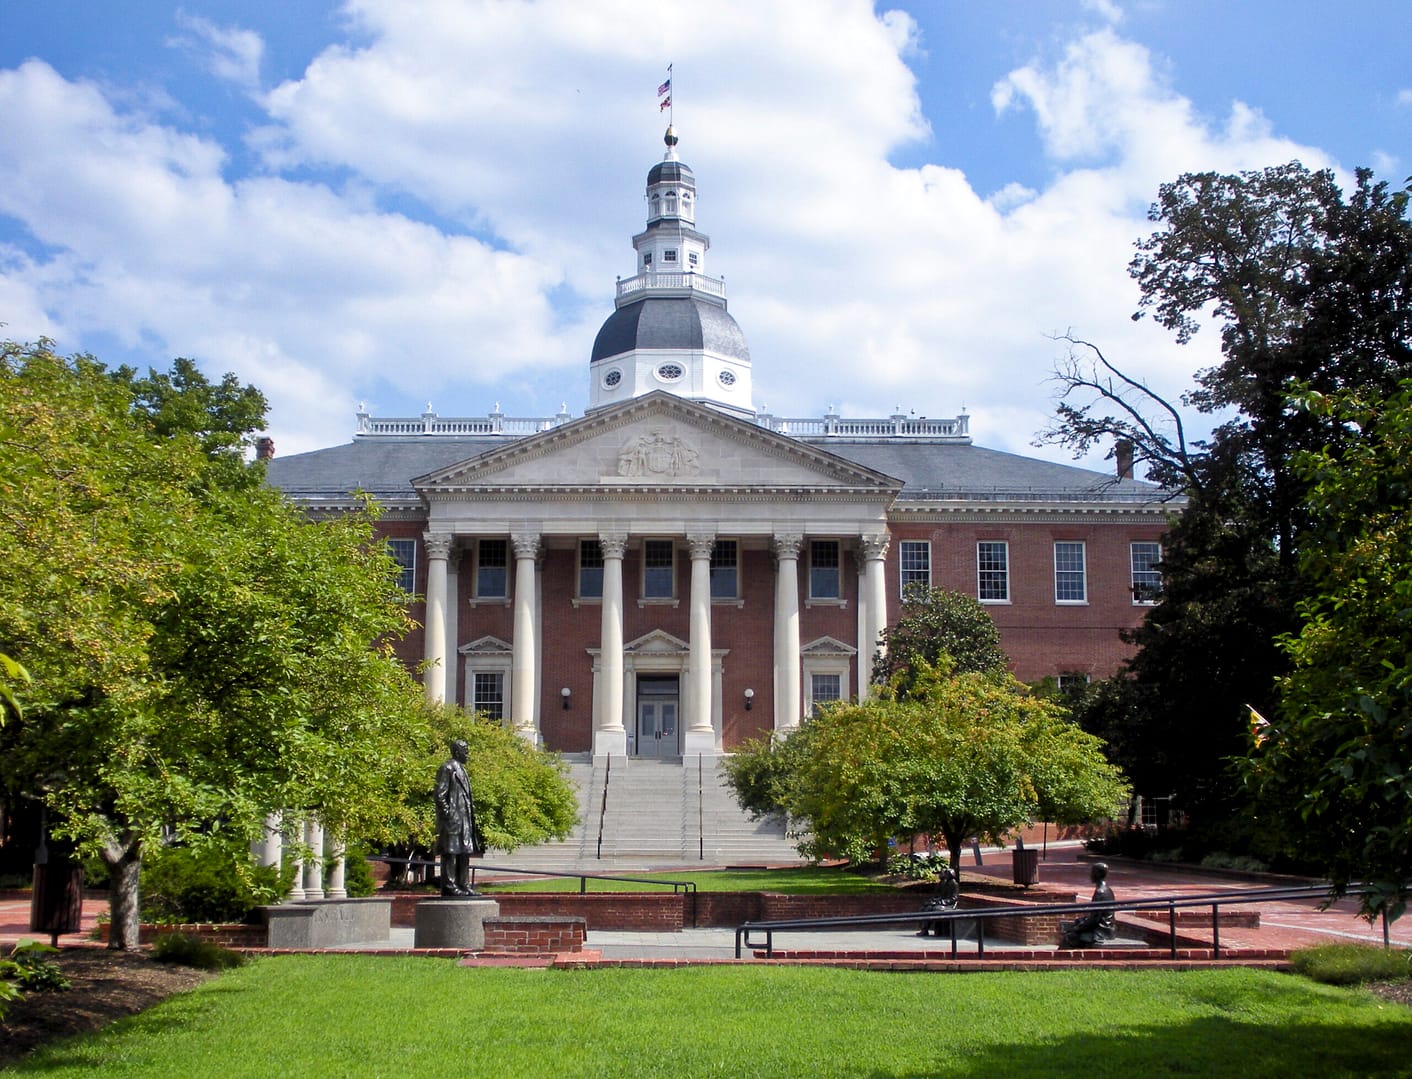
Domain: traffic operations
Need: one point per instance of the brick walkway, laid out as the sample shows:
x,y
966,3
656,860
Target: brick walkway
x,y
1284,926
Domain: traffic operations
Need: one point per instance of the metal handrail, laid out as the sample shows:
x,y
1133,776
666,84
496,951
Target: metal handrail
x,y
1215,900
687,887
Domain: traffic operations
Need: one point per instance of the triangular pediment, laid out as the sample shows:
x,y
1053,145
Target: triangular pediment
x,y
657,441
827,646
486,646
657,642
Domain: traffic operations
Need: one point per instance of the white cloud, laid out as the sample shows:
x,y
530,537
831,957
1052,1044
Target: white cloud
x,y
530,127
232,55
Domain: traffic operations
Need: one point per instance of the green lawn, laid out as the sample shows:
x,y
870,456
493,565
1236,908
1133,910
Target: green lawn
x,y
368,1016
803,880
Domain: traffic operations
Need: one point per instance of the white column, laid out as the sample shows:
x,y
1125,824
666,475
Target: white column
x,y
700,735
267,849
296,862
336,886
609,734
789,705
314,866
522,665
438,547
874,590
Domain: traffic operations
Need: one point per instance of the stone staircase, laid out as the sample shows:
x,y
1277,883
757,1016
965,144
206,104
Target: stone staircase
x,y
656,814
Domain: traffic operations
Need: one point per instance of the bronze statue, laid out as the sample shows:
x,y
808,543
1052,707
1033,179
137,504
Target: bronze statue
x,y
456,835
948,893
1099,926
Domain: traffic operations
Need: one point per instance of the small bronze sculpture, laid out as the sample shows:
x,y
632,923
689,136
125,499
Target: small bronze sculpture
x,y
1099,926
948,892
456,836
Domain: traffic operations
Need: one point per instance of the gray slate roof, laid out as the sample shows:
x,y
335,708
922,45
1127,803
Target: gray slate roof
x,y
385,466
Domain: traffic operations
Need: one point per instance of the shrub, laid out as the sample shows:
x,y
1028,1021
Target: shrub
x,y
29,968
1352,964
189,951
357,874
920,866
206,884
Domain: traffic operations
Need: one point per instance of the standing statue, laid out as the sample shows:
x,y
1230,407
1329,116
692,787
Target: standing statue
x,y
1099,926
456,836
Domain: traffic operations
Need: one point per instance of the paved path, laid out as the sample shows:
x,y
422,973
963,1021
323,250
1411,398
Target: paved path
x,y
1283,925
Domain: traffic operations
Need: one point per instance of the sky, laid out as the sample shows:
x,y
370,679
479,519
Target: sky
x,y
392,204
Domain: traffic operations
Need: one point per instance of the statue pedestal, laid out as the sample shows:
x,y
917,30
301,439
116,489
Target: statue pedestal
x,y
453,923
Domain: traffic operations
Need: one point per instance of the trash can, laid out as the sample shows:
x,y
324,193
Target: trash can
x,y
1026,866
56,902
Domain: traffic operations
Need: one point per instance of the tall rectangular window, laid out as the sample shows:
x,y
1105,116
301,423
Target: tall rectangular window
x,y
825,580
915,564
1147,580
404,553
725,570
590,570
824,688
1069,576
492,569
993,571
488,694
658,569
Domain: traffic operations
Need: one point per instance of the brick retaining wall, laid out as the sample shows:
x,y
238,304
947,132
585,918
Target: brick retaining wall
x,y
534,935
227,935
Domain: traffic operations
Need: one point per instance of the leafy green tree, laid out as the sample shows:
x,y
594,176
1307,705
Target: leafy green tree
x,y
1333,774
1308,288
936,622
201,654
961,755
522,794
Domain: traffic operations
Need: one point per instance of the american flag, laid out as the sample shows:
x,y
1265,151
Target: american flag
x,y
665,88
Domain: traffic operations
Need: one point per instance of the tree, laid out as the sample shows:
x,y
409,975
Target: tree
x,y
1308,288
962,755
201,654
937,622
1333,775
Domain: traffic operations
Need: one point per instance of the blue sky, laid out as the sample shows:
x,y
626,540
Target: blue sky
x,y
395,202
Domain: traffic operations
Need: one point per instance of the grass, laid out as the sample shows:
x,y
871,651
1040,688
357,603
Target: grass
x,y
801,880
349,1015
1352,964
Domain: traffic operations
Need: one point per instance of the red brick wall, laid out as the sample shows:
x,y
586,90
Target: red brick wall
x,y
1041,637
534,936
226,935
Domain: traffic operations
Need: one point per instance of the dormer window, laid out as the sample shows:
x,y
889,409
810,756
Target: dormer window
x,y
692,259
669,256
647,258
671,203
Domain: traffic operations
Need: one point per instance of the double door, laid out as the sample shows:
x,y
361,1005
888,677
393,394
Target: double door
x,y
658,714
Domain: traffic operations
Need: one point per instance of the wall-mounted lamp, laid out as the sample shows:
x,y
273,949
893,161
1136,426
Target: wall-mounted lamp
x,y
749,699
564,695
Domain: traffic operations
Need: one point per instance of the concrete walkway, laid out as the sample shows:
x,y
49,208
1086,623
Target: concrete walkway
x,y
1283,925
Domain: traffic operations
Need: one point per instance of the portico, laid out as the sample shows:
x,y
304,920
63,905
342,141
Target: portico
x,y
658,512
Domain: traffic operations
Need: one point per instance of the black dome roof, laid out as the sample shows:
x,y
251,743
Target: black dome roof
x,y
680,322
670,171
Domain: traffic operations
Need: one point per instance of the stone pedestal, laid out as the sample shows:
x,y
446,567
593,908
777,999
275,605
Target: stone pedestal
x,y
453,923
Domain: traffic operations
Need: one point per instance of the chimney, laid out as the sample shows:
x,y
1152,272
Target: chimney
x,y
264,449
1123,452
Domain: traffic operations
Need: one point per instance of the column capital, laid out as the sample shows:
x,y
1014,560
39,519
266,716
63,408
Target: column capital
x,y
438,544
526,544
874,545
701,544
613,544
787,544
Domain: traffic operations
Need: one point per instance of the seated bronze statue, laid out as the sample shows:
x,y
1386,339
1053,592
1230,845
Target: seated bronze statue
x,y
1100,926
948,891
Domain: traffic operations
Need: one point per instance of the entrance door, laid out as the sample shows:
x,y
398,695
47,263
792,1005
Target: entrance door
x,y
657,728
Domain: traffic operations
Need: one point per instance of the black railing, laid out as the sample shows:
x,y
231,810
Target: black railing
x,y
980,915
678,887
